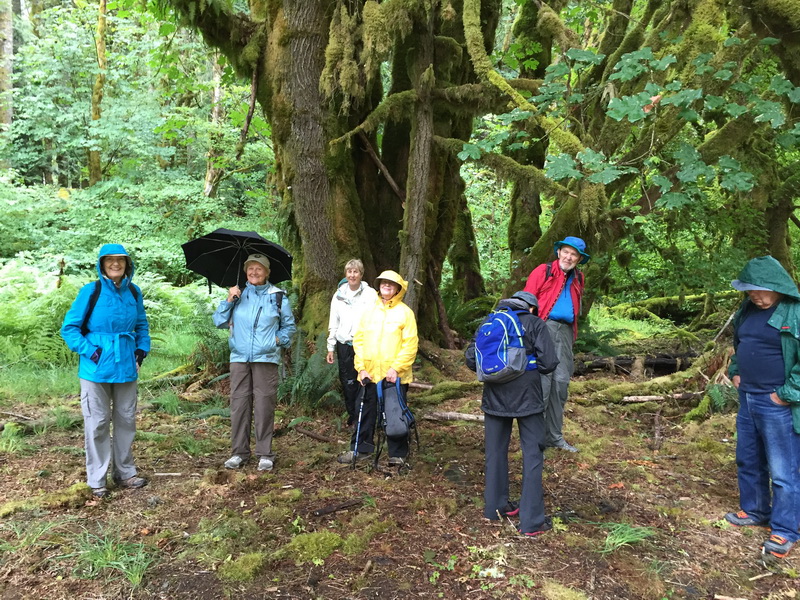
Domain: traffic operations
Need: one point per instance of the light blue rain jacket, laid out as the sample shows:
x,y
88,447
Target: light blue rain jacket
x,y
255,323
117,324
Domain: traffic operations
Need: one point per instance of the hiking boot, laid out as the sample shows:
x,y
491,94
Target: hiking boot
x,y
742,519
347,457
265,464
398,461
511,510
132,483
546,526
777,546
100,492
564,445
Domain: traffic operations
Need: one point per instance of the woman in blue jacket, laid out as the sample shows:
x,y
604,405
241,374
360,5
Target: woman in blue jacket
x,y
260,321
107,327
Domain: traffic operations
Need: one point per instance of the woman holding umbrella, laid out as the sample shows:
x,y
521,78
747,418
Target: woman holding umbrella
x,y
260,321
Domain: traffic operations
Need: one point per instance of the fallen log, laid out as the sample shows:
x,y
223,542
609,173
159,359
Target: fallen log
x,y
680,396
452,416
337,507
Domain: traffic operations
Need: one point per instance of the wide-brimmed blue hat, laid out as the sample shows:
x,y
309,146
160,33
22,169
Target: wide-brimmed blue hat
x,y
573,242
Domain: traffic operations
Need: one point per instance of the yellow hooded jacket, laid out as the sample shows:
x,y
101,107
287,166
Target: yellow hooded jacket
x,y
387,335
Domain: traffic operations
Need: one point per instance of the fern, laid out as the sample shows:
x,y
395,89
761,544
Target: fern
x,y
313,381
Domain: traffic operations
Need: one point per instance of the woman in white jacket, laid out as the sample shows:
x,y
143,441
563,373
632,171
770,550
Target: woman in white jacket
x,y
347,304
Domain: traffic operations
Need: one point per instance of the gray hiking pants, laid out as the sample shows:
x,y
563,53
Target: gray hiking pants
x,y
555,385
254,392
104,404
495,495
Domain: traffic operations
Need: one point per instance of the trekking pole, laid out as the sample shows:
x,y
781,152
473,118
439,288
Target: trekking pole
x,y
362,393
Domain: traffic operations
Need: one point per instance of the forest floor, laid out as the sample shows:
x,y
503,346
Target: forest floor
x,y
631,521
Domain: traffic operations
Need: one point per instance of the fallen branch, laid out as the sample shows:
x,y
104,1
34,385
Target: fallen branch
x,y
337,507
452,416
10,414
657,439
420,386
167,474
316,436
680,396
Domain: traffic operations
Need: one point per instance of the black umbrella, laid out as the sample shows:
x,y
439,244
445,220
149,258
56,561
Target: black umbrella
x,y
220,256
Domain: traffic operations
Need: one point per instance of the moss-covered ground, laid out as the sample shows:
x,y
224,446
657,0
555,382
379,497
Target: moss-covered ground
x,y
637,512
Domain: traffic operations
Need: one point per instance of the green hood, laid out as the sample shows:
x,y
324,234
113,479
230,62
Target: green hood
x,y
766,272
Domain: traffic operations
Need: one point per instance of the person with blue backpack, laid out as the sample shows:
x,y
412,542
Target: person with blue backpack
x,y
513,390
107,327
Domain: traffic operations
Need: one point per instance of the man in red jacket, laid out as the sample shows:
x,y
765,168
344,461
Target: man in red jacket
x,y
559,288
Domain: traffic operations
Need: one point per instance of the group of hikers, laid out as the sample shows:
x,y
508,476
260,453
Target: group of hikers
x,y
373,338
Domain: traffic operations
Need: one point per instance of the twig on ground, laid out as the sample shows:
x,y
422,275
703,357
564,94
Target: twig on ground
x,y
337,507
315,436
10,414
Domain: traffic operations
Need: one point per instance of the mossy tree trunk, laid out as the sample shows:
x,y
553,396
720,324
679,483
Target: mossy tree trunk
x,y
95,166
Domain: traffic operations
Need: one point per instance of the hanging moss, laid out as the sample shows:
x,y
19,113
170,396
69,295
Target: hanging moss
x,y
394,108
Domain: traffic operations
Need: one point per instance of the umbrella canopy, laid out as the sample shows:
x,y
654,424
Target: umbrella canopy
x,y
220,256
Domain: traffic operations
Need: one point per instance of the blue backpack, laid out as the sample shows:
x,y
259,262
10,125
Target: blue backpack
x,y
500,354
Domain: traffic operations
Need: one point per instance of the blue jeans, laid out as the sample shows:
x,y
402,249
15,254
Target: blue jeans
x,y
768,448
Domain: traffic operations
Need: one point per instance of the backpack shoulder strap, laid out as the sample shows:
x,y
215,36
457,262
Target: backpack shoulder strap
x,y
279,299
134,291
548,272
90,306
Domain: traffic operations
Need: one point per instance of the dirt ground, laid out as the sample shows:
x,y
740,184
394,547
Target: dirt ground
x,y
212,533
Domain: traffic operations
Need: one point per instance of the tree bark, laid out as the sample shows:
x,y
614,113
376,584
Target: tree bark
x,y
6,62
214,171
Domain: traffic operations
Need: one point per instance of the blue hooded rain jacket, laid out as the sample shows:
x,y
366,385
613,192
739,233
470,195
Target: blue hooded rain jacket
x,y
117,325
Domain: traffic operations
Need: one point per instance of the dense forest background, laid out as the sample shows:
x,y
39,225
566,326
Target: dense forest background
x,y
453,141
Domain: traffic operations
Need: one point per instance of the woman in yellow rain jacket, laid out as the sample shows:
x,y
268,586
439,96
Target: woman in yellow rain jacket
x,y
385,345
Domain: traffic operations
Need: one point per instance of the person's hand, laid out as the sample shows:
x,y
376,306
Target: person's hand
x,y
95,357
391,375
234,293
140,356
329,358
736,380
776,399
364,377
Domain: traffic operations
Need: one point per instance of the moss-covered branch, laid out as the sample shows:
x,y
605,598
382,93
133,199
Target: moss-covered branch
x,y
395,107
233,33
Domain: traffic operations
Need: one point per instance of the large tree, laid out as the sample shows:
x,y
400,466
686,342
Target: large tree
x,y
614,111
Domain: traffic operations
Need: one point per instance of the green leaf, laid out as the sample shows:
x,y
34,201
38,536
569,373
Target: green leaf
x,y
689,114
630,107
702,59
767,111
673,86
794,95
561,167
702,70
732,178
741,86
713,102
673,200
630,66
469,151
786,141
166,29
780,85
663,63
585,56
732,41
735,110
557,70
723,74
683,99
662,182
591,159
769,41
609,174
